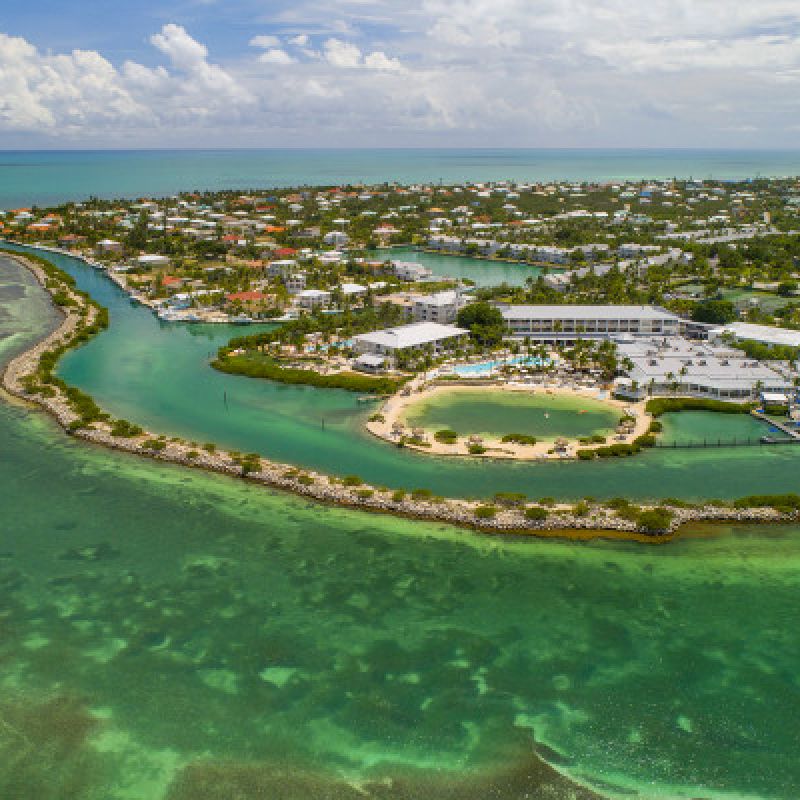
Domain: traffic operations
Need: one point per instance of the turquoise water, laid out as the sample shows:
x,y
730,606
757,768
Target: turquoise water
x,y
172,635
497,413
481,271
49,177
157,374
699,426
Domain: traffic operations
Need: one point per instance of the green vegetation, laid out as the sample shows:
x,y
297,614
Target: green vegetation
x,y
476,449
248,463
781,502
485,512
519,438
510,499
536,513
352,480
269,369
656,520
765,352
446,436
581,509
715,312
484,322
156,445
663,405
121,428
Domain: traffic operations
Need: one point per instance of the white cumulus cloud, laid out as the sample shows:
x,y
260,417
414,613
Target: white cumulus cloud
x,y
276,56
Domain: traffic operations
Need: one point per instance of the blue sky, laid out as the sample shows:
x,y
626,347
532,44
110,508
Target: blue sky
x,y
241,73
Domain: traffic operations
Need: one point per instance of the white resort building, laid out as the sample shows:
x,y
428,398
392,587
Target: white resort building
x,y
410,271
407,338
564,324
682,367
763,334
442,307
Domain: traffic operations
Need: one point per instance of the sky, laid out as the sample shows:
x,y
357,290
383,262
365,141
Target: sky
x,y
400,73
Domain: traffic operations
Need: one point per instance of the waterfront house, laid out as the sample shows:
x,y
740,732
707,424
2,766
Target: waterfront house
x,y
295,282
108,246
313,298
410,271
152,261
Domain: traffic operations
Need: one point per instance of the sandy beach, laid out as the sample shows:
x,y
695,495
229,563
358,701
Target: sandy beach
x,y
395,409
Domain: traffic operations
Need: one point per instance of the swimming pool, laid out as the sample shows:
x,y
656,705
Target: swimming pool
x,y
486,368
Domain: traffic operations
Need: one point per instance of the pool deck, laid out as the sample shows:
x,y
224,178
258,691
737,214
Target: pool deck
x,y
394,409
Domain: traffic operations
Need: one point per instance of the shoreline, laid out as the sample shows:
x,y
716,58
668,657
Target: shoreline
x,y
561,521
395,408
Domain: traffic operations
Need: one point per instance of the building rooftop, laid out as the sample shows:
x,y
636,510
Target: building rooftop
x,y
413,335
760,333
586,312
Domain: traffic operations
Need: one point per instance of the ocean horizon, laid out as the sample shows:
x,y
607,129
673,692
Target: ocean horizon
x,y
51,177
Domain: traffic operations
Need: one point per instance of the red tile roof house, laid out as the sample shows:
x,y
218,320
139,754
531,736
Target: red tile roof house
x,y
252,300
172,282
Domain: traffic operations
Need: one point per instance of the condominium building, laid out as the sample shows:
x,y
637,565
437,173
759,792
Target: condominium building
x,y
439,307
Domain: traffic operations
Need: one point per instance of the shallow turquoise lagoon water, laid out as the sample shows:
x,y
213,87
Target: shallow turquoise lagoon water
x,y
170,634
496,413
482,272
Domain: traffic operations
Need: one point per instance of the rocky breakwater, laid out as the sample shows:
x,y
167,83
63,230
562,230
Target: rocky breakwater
x,y
29,376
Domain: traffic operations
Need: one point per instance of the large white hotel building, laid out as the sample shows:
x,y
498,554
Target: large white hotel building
x,y
563,324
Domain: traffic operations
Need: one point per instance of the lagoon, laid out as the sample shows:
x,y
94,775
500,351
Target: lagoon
x,y
494,412
481,271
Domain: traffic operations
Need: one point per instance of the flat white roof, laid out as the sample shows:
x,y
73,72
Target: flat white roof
x,y
370,360
445,298
586,312
412,335
762,333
